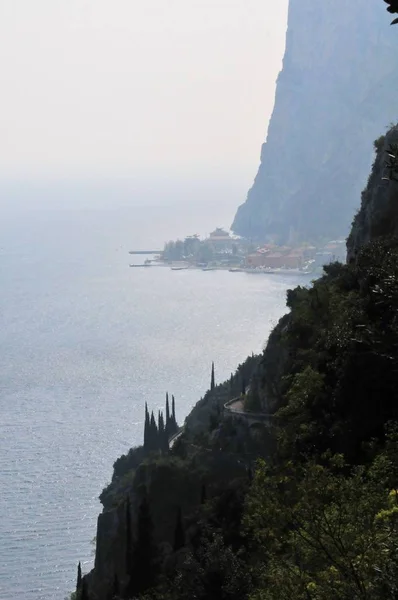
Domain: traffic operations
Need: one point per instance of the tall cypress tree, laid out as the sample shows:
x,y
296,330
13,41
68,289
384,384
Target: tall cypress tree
x,y
167,411
160,423
79,577
129,549
146,428
163,438
145,559
154,438
179,534
84,592
212,381
173,414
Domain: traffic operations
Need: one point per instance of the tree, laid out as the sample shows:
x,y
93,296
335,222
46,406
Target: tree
x,y
173,414
146,428
153,435
144,556
163,439
321,533
212,381
179,535
79,577
84,590
173,408
129,550
243,388
392,8
167,412
115,587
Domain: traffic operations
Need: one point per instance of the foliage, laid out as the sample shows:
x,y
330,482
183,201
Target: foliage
x,y
334,358
392,8
190,248
320,515
320,532
128,462
144,565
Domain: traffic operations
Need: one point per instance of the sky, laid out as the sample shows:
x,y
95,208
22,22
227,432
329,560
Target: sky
x,y
132,89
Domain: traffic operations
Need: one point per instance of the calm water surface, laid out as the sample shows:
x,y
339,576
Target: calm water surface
x,y
85,342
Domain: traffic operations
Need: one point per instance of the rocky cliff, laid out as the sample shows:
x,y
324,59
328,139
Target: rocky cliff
x,y
378,214
334,95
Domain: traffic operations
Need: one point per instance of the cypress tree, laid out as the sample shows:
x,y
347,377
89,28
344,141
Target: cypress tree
x,y
84,592
167,412
146,428
153,435
145,563
173,414
163,439
79,577
212,381
129,551
160,423
179,535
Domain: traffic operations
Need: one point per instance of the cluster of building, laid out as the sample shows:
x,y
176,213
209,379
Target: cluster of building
x,y
228,248
274,257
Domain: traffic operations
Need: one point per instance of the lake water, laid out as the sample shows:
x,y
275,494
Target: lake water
x,y
85,342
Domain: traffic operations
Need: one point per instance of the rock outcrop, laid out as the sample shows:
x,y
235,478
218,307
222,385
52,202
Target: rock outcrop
x,y
378,215
334,95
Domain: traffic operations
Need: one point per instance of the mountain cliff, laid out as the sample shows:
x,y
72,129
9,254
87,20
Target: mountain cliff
x,y
333,95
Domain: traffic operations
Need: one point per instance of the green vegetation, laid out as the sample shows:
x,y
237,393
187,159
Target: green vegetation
x,y
202,252
192,248
316,518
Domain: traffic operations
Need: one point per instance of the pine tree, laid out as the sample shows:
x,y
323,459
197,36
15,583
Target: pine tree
x,y
179,535
243,392
79,577
145,556
212,381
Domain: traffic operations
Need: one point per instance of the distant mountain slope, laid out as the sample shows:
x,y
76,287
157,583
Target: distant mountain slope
x,y
334,96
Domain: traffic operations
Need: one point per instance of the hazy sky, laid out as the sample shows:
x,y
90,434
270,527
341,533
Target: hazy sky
x,y
123,88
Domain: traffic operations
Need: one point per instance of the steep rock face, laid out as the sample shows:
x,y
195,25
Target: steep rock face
x,y
334,95
378,215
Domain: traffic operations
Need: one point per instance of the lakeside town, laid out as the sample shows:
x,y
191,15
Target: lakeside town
x,y
223,251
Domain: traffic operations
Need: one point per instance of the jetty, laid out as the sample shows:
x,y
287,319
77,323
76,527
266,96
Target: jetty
x,y
146,252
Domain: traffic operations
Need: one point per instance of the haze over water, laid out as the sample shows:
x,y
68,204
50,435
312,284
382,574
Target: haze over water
x,y
85,342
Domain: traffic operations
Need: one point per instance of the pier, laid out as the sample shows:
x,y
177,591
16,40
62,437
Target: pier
x,y
146,252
